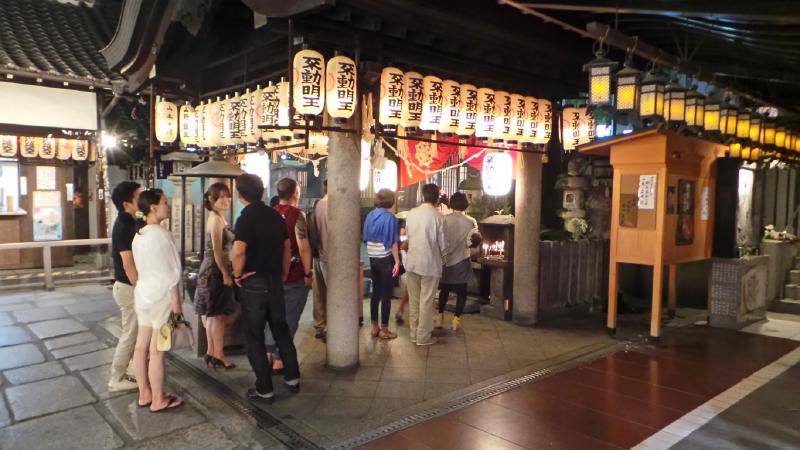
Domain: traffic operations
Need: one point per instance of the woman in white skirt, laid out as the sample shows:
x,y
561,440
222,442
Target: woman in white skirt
x,y
157,293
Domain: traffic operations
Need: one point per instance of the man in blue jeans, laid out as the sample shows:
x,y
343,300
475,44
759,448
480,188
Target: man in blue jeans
x,y
261,256
298,281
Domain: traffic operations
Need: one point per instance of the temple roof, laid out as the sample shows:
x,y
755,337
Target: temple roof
x,y
54,40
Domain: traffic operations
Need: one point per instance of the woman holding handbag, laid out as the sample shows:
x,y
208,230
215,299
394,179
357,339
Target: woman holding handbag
x,y
157,294
213,298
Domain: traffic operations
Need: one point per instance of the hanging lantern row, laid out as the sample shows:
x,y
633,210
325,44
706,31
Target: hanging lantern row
x,y
44,147
431,104
652,99
235,119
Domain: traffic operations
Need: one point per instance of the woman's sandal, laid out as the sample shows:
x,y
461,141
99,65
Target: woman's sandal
x,y
172,403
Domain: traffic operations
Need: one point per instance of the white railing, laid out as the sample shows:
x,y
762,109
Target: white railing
x,y
47,253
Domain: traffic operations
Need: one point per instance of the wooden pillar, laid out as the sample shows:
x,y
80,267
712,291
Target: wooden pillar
x,y
528,201
344,240
613,266
672,294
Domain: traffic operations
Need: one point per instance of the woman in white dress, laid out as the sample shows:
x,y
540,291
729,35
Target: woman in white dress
x,y
157,293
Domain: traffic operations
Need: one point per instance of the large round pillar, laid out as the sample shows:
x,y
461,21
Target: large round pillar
x,y
527,208
344,240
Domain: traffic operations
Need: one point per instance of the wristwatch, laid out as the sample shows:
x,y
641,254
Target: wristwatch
x,y
308,274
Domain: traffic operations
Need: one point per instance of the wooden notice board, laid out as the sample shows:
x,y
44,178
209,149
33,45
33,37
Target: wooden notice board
x,y
662,207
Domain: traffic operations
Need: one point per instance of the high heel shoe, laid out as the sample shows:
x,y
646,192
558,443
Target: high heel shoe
x,y
209,359
220,363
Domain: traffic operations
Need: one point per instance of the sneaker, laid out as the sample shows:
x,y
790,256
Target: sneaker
x,y
456,324
430,342
255,395
121,385
438,321
294,388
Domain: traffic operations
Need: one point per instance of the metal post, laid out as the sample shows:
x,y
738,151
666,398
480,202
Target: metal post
x,y
47,259
183,223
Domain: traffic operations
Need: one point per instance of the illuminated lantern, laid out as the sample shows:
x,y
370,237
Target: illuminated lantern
x,y
451,107
484,127
755,127
48,149
385,178
768,136
519,108
712,121
735,150
80,152
28,147
469,110
411,114
502,118
365,166
796,142
284,120
309,82
577,127
188,124
214,128
532,119
627,89
390,107
250,116
8,146
235,113
780,137
755,154
675,103
743,125
728,117
257,164
600,79
166,121
545,122
227,122
497,173
651,97
341,83
745,152
432,97
269,112
64,149
695,109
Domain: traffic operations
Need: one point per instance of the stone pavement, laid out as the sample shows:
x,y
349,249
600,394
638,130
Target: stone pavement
x,y
55,352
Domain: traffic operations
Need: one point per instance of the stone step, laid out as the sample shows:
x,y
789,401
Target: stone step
x,y
785,305
794,276
790,290
797,262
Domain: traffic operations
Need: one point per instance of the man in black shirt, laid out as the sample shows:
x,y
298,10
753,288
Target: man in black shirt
x,y
125,197
260,257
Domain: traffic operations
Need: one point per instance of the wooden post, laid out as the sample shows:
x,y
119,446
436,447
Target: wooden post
x,y
611,321
672,294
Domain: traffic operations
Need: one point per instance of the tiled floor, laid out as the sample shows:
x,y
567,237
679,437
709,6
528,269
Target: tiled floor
x,y
613,402
397,377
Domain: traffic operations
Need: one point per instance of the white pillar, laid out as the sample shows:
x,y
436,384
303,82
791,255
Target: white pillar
x,y
527,208
344,240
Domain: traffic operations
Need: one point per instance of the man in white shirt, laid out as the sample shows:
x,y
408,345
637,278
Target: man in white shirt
x,y
426,245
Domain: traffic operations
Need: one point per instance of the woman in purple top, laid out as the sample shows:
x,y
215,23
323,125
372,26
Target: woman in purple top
x,y
381,234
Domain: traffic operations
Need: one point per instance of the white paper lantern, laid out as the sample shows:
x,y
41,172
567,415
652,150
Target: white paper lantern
x,y
250,118
341,84
226,135
166,121
269,112
385,178
188,124
519,113
531,119
577,127
412,100
390,106
48,149
544,122
469,110
502,118
497,173
214,128
29,146
64,149
8,146
257,164
80,152
283,111
432,96
484,128
235,107
451,106
309,82
366,168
